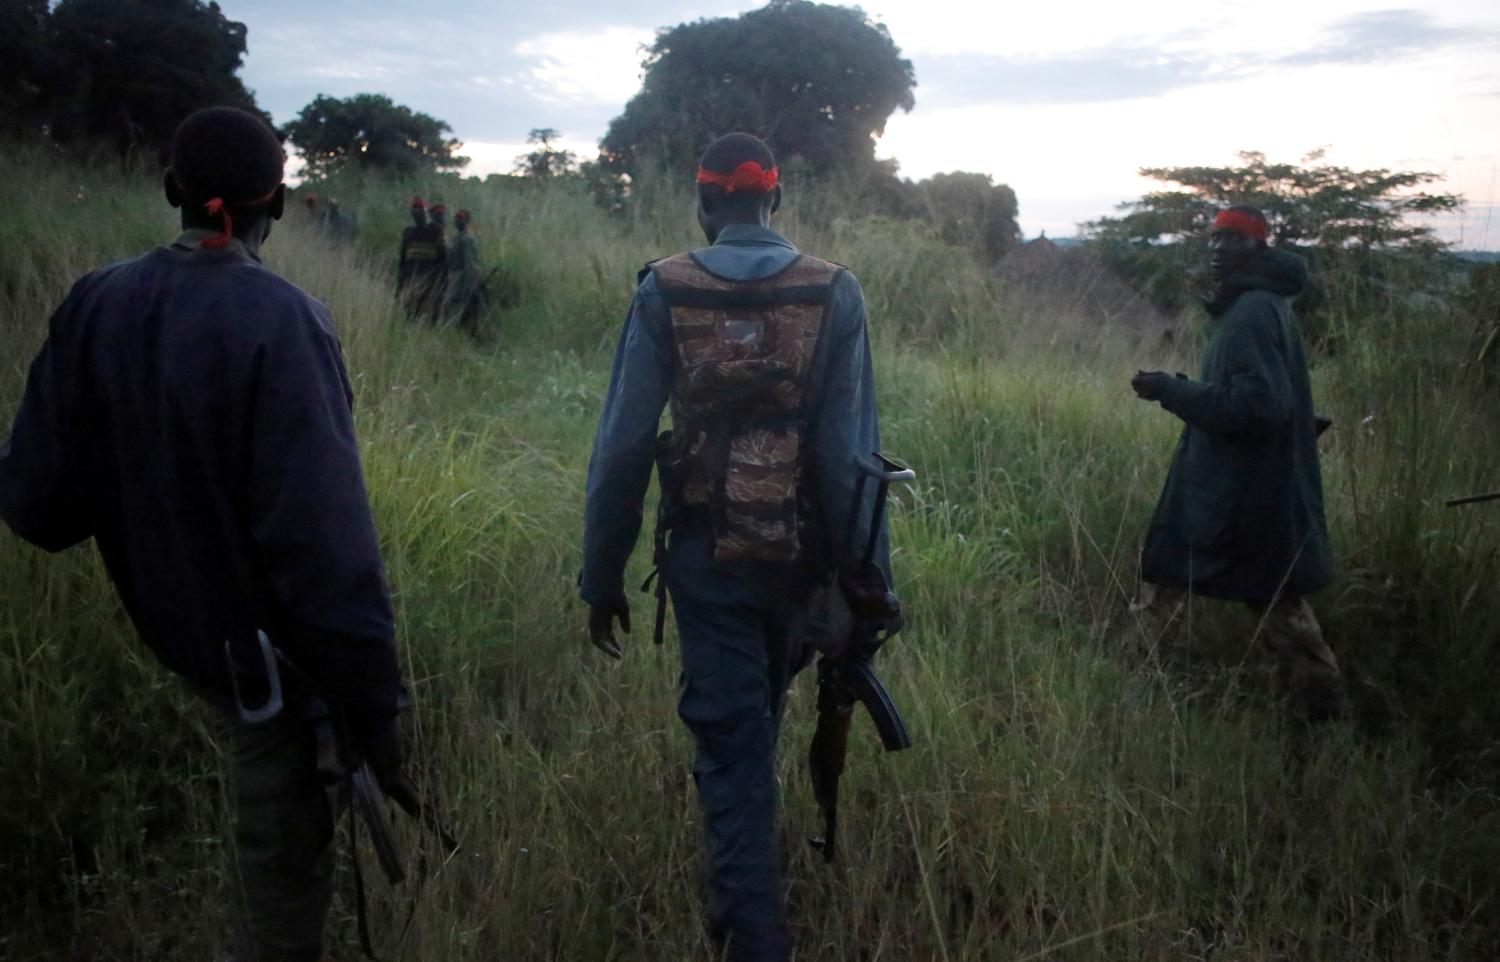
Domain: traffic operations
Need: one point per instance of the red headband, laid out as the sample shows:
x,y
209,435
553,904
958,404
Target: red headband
x,y
1242,222
216,205
749,177
418,202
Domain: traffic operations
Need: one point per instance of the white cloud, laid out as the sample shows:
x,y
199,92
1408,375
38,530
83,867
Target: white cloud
x,y
1004,88
1035,30
602,66
1069,163
499,157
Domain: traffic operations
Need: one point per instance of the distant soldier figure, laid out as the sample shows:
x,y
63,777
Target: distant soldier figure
x,y
463,296
310,204
421,263
438,214
764,356
190,412
1241,515
338,225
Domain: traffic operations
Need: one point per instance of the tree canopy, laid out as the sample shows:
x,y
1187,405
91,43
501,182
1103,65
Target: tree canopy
x,y
969,210
117,72
545,161
815,81
371,132
23,50
1318,204
1356,217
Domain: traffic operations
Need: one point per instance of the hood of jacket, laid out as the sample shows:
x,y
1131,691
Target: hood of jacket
x,y
1280,272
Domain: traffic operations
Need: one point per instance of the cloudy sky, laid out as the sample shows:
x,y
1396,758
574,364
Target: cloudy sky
x,y
1063,101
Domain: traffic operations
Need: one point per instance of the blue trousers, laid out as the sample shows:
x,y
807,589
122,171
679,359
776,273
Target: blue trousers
x,y
731,619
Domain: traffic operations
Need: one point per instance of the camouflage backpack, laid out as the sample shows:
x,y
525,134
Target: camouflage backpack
x,y
424,247
744,352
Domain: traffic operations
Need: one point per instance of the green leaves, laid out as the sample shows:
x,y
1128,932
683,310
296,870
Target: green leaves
x,y
816,81
1320,205
1359,220
121,73
371,132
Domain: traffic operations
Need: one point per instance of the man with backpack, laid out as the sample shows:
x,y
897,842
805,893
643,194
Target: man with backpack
x,y
421,263
764,355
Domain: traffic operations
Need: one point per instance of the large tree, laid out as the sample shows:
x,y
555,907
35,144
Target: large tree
x,y
1360,220
125,72
545,161
816,81
23,65
970,210
370,132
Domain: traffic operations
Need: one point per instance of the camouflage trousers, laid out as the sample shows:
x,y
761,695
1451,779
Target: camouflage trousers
x,y
283,848
1306,665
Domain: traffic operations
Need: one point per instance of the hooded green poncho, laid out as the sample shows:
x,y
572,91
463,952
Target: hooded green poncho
x,y
1241,514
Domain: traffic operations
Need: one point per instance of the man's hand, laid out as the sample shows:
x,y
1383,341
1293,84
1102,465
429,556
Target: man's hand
x,y
1150,385
601,625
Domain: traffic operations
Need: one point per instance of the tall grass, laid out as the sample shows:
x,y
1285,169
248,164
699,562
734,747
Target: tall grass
x,y
1068,798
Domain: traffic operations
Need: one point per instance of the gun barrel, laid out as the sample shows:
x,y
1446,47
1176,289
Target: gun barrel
x,y
1473,499
825,759
365,797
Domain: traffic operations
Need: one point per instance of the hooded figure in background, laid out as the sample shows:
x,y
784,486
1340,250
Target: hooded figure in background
x,y
1241,515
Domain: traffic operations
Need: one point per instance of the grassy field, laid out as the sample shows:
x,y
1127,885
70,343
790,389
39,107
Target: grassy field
x,y
1068,797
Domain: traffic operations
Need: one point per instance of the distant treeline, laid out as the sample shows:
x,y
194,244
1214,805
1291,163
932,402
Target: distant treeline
x,y
817,81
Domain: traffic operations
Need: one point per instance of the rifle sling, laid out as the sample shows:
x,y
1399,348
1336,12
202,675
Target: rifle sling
x,y
361,901
415,807
361,896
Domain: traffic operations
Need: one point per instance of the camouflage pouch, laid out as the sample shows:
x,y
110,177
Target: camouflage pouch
x,y
744,351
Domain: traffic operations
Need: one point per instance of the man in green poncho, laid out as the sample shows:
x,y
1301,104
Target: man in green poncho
x,y
463,296
1241,515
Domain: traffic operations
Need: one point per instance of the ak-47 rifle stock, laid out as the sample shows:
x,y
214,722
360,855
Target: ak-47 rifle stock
x,y
848,678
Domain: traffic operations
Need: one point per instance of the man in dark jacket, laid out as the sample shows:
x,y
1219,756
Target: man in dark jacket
x,y
744,531
1241,515
421,263
190,412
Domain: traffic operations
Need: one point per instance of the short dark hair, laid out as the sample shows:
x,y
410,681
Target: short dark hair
x,y
731,150
726,154
226,152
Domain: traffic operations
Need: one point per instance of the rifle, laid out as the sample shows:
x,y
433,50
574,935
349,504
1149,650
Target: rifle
x,y
341,770
1473,499
847,677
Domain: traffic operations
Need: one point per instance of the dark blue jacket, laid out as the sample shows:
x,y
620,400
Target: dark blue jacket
x,y
191,412
843,422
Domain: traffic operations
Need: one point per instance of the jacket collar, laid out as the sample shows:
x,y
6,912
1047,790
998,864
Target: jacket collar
x,y
752,235
192,240
1280,272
